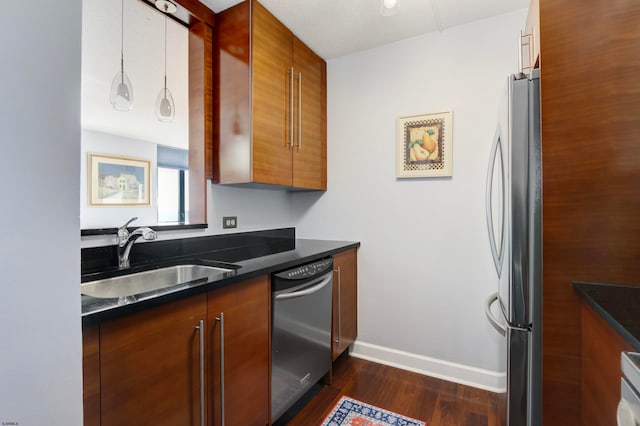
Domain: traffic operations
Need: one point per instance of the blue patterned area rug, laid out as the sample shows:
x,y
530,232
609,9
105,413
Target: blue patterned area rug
x,y
349,412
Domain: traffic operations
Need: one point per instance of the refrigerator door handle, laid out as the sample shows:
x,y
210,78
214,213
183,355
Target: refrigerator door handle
x,y
492,320
496,150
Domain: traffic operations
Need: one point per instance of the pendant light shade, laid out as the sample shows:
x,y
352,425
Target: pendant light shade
x,y
165,107
121,93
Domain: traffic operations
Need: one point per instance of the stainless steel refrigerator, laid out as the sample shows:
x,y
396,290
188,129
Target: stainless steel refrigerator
x,y
514,221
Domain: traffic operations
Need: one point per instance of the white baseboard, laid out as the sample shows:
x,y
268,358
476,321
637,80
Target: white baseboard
x,y
463,374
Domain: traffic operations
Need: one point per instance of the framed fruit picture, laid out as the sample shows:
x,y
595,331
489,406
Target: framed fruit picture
x,y
424,145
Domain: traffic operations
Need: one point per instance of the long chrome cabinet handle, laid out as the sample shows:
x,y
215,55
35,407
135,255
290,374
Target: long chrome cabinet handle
x,y
291,108
220,319
200,329
339,339
299,111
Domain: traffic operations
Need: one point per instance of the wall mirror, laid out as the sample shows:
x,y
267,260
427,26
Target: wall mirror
x,y
146,91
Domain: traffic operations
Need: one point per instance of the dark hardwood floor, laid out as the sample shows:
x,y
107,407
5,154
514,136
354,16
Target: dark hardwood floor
x,y
434,401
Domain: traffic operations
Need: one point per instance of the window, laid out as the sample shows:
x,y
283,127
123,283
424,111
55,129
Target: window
x,y
173,184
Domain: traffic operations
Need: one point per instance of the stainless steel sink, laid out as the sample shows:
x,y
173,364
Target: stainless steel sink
x,y
125,286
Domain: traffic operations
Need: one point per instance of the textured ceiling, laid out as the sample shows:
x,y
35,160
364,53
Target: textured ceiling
x,y
335,28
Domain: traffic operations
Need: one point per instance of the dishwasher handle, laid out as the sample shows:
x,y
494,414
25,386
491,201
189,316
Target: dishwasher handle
x,y
313,288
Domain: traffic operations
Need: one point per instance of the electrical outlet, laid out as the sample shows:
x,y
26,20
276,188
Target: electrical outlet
x,y
229,222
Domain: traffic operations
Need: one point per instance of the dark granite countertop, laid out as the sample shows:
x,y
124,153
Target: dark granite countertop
x,y
619,305
247,262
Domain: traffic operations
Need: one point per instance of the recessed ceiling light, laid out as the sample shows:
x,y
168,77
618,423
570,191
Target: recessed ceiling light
x,y
388,7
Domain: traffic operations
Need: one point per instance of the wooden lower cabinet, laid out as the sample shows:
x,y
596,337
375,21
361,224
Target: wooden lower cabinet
x,y
345,301
91,375
601,372
240,324
149,365
144,368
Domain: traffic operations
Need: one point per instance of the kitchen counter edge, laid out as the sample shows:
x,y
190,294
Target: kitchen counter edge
x,y
614,304
306,250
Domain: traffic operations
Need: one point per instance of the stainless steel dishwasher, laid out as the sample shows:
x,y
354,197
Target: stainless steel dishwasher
x,y
301,332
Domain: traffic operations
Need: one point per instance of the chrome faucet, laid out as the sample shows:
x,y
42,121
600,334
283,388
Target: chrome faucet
x,y
126,240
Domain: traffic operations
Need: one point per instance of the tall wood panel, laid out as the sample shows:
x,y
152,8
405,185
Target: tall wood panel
x,y
591,175
200,118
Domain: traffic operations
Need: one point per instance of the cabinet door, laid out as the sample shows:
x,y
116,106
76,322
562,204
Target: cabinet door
x,y
345,301
91,375
232,126
272,115
150,365
240,315
309,154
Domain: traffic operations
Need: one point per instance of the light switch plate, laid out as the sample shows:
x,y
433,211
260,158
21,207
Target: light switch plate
x,y
229,222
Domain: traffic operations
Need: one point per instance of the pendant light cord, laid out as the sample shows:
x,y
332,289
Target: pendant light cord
x,y
122,38
165,55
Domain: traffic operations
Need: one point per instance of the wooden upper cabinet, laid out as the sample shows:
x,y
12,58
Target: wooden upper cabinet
x,y
309,153
271,107
149,365
345,301
272,68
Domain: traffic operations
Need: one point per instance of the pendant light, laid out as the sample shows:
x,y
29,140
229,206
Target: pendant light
x,y
165,107
121,93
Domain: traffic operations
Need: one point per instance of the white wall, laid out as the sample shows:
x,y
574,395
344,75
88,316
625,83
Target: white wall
x,y
40,327
425,265
256,209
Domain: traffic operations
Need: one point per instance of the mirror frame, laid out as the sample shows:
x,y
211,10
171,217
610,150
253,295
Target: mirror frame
x,y
199,20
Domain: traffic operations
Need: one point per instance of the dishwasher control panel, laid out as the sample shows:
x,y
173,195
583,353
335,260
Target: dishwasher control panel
x,y
306,271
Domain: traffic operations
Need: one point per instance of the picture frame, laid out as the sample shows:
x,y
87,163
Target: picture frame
x,y
118,181
424,145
